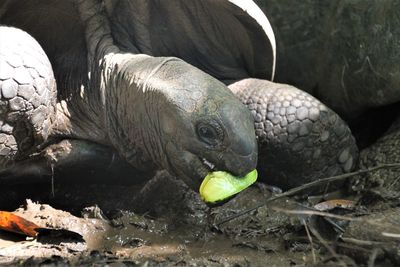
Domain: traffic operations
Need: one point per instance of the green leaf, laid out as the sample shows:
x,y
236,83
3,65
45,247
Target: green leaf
x,y
220,185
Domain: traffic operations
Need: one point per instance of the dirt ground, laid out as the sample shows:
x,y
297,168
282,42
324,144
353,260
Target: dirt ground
x,y
163,223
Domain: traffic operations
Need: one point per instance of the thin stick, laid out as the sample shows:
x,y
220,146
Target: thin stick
x,y
372,257
327,246
393,235
359,242
301,188
52,180
311,241
318,213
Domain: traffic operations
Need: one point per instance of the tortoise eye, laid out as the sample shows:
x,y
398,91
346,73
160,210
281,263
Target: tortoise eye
x,y
209,133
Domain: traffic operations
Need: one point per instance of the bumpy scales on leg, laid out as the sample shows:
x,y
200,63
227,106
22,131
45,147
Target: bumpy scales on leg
x,y
28,95
300,139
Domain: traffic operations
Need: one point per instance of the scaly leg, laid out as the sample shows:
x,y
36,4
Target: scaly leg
x,y
28,96
300,139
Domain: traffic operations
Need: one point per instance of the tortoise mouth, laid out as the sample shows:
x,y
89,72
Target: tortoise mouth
x,y
208,164
195,172
189,166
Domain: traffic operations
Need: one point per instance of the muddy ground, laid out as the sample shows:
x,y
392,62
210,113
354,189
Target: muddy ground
x,y
164,223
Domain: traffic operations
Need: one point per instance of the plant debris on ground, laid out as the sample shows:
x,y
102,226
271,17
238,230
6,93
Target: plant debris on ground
x,y
164,223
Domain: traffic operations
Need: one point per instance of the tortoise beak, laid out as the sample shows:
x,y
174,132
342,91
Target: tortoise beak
x,y
241,154
241,165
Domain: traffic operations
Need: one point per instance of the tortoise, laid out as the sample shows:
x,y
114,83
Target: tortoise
x,y
176,85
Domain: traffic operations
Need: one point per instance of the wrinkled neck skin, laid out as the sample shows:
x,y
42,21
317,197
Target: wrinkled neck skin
x,y
80,117
134,106
119,104
120,107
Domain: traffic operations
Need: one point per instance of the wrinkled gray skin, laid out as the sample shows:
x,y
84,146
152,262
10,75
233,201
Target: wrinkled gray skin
x,y
147,80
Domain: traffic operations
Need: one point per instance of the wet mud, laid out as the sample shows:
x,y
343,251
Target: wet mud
x,y
163,223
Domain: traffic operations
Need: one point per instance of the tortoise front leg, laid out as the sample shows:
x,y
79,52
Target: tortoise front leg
x,y
28,95
300,139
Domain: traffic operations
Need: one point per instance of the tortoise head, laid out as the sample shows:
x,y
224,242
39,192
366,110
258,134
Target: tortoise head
x,y
204,126
166,112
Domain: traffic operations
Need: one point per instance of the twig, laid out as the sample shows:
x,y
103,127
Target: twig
x,y
372,257
327,216
392,235
301,188
335,225
326,245
318,213
52,180
360,242
311,241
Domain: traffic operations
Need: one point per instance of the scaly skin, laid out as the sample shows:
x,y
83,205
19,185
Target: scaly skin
x,y
28,95
385,151
298,135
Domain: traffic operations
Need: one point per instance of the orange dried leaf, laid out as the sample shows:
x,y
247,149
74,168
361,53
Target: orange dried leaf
x,y
335,203
14,223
